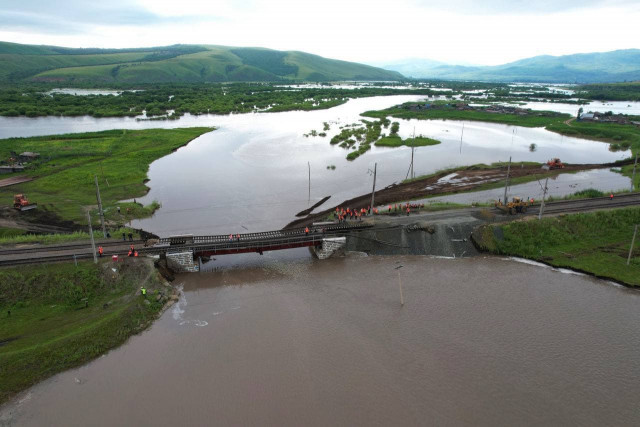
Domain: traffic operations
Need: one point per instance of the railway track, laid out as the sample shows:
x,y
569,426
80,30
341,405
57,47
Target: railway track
x,y
48,253
59,248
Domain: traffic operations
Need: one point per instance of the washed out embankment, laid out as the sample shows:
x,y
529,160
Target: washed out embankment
x,y
466,179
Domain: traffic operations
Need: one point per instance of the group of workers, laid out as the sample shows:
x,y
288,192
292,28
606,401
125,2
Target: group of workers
x,y
406,208
132,251
354,214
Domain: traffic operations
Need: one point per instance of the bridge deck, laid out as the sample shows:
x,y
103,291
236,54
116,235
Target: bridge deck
x,y
252,242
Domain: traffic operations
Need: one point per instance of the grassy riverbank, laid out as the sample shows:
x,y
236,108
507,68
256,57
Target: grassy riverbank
x,y
58,316
597,243
450,112
64,174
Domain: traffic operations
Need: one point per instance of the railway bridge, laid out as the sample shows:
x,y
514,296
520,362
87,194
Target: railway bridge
x,y
183,251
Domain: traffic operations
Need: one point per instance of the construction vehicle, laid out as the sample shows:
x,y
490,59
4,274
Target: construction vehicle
x,y
21,203
554,163
516,205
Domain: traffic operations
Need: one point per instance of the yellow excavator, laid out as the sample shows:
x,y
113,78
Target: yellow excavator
x,y
516,205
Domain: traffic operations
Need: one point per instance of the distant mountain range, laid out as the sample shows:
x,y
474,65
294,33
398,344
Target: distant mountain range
x,y
615,66
177,63
206,63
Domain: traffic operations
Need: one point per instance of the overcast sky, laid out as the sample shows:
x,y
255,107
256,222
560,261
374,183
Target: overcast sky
x,y
487,32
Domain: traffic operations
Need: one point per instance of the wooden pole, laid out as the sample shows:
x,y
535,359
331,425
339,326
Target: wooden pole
x,y
413,145
506,182
93,243
633,239
544,193
373,192
400,287
309,165
633,175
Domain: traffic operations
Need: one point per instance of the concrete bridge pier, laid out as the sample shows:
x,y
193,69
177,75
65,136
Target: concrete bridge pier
x,y
330,246
182,262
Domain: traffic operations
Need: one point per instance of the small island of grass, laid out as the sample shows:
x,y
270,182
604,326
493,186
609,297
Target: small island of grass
x,y
396,141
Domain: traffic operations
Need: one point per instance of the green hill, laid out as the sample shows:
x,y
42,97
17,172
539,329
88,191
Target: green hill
x,y
600,67
177,63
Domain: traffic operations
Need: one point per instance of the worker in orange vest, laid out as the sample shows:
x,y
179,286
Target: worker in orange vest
x,y
306,230
611,196
129,254
408,210
135,253
100,250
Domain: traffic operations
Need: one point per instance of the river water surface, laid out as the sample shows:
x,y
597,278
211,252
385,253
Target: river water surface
x,y
480,341
252,174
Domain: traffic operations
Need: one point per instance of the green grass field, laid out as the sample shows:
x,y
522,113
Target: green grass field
x,y
396,141
56,317
597,243
64,174
538,119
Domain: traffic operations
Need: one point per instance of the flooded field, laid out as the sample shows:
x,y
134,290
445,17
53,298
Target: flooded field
x,y
617,107
306,342
252,174
559,186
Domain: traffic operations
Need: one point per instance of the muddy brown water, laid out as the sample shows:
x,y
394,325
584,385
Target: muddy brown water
x,y
481,341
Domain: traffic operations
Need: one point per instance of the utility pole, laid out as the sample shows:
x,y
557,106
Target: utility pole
x,y
400,285
635,230
104,230
373,192
93,243
633,175
506,182
413,175
544,193
309,165
461,135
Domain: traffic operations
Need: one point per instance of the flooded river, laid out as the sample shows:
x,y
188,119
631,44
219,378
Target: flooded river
x,y
285,339
252,174
481,341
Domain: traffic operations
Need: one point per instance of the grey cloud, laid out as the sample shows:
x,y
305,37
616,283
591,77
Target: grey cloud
x,y
77,16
